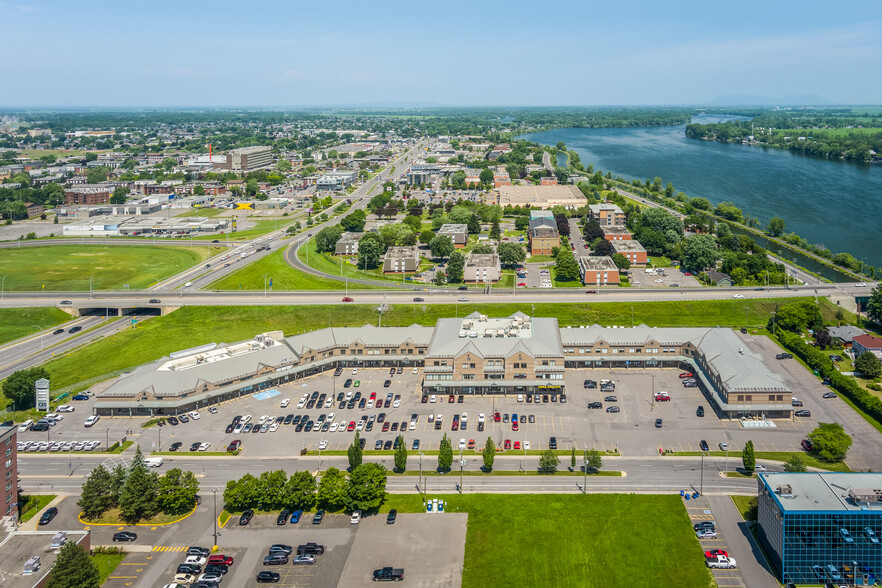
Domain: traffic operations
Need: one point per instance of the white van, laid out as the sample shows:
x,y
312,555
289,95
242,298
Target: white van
x,y
188,284
25,426
153,462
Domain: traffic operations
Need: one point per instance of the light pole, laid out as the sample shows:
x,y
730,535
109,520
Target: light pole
x,y
40,330
585,468
215,517
90,286
701,489
159,430
2,285
461,463
264,285
421,470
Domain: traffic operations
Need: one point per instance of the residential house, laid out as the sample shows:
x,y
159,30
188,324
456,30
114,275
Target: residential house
x,y
869,343
720,279
845,334
543,235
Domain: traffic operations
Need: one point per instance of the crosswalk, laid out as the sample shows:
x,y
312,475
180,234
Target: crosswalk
x,y
170,548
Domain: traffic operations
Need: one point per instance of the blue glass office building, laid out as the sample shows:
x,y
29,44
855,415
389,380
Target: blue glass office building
x,y
822,526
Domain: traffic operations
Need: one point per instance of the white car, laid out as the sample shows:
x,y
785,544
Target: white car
x,y
274,427
263,419
91,420
480,417
356,517
412,426
301,404
724,446
432,398
658,281
354,371
331,416
396,404
737,295
238,428
415,371
370,403
359,426
79,446
286,402
54,416
65,408
195,559
463,299
329,403
194,415
526,445
204,446
348,396
860,285
333,428
323,444
246,419
462,444
520,397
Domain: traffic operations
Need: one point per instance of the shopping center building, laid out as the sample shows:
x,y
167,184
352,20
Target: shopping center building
x,y
476,354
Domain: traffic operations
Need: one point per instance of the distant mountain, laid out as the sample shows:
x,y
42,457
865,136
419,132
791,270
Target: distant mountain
x,y
753,100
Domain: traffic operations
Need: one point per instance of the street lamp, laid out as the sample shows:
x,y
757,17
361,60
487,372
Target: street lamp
x,y
461,463
264,285
2,285
214,490
40,330
585,468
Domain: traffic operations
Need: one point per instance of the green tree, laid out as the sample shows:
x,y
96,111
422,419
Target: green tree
x,y
456,267
699,252
593,230
96,496
604,248
326,239
332,490
548,462
867,364
776,227
96,175
748,458
426,236
474,224
621,261
441,246
354,222
300,491
830,441
117,482
251,187
138,499
19,387
440,277
355,453
522,223
573,458
795,464
445,454
401,455
413,223
495,231
370,248
489,454
874,305
483,248
367,487
511,253
199,190
567,268
73,569
177,491
486,177
120,194
595,461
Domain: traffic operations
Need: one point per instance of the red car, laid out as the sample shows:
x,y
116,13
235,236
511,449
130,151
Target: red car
x,y
514,425
348,299
590,291
523,284
507,444
451,399
807,445
496,417
662,398
517,445
225,560
386,426
454,426
716,552
373,395
687,375
351,426
687,274
471,444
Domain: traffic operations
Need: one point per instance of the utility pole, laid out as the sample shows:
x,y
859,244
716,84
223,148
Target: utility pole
x,y
702,474
461,463
585,483
215,518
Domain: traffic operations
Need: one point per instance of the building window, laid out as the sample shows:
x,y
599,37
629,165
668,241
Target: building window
x,y
468,376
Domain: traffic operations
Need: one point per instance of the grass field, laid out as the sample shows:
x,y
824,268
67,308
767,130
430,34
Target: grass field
x,y
113,517
809,459
261,227
106,564
193,325
283,275
20,322
38,153
41,501
746,505
68,267
206,212
572,540
828,132
330,264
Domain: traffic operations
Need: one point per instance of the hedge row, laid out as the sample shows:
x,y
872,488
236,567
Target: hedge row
x,y
817,360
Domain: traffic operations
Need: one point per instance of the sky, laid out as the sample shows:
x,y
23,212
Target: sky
x,y
96,53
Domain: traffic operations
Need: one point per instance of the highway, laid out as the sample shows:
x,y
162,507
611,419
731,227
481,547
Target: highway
x,y
642,474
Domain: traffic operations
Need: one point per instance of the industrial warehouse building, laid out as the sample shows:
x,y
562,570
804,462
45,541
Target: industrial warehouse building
x,y
471,355
822,526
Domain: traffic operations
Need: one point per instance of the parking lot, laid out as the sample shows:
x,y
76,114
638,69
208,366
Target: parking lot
x,y
666,277
632,430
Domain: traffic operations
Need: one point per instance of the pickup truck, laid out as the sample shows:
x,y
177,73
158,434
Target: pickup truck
x,y
721,562
388,575
310,549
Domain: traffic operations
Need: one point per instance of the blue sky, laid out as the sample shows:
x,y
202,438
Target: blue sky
x,y
448,53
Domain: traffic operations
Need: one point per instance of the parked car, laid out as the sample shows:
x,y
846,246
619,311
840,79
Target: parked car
x,y
724,446
124,536
703,445
393,514
612,409
318,517
283,517
807,445
267,577
48,516
658,423
246,517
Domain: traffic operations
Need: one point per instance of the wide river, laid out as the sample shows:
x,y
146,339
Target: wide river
x,y
832,203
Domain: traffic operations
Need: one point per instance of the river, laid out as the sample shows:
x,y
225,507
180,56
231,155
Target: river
x,y
830,203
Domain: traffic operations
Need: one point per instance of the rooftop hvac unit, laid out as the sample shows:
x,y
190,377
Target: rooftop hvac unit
x,y
784,491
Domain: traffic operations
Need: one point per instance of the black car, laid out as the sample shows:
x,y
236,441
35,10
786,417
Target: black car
x,y
699,411
387,383
246,517
802,413
275,559
75,329
387,445
229,428
416,444
310,548
200,551
338,371
186,568
267,578
175,446
611,399
195,446
595,405
784,356
658,423
563,398
362,403
319,517
590,384
417,299
462,288
552,443
390,519
347,383
703,445
283,517
217,568
288,419
124,536
362,441
58,331
340,397
48,516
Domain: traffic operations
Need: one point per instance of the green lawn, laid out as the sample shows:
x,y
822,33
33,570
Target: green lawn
x,y
574,540
261,227
330,264
36,504
195,325
106,564
809,459
746,505
206,212
68,267
20,322
283,275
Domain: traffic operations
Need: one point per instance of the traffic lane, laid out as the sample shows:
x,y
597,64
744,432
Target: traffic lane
x,y
753,569
20,349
